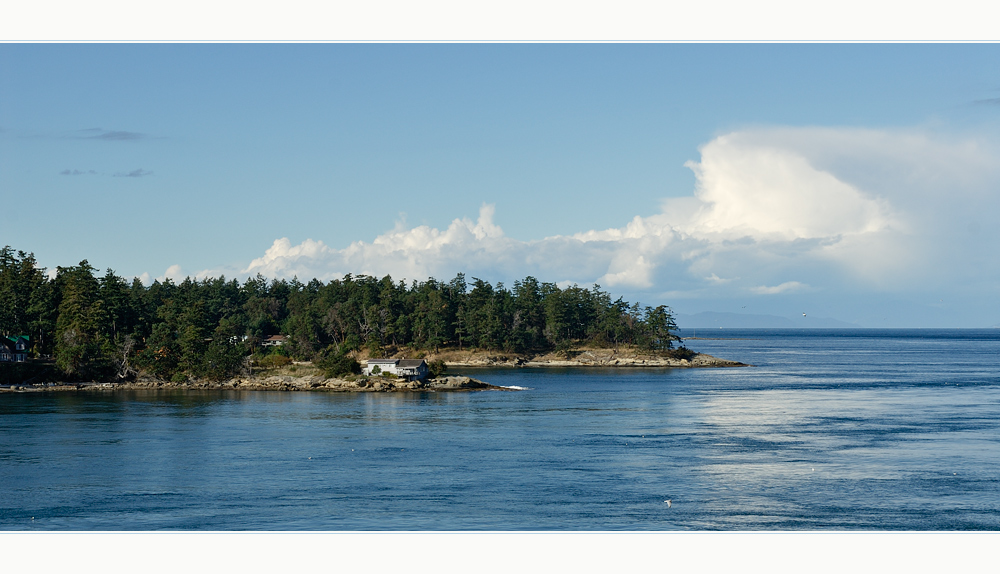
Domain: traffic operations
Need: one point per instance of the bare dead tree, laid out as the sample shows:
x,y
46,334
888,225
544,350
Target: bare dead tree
x,y
382,325
374,321
335,326
365,324
123,352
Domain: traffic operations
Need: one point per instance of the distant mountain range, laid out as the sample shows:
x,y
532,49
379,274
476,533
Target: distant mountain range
x,y
710,319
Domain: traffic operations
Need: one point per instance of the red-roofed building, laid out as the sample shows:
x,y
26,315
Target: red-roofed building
x,y
274,341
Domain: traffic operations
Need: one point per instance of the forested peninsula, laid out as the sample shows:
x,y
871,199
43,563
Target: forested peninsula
x,y
81,325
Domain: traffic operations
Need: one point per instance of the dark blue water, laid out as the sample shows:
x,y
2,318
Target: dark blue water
x,y
830,430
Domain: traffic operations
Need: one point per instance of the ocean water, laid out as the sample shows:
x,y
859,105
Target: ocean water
x,y
830,430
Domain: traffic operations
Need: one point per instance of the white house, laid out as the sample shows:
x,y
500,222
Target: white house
x,y
274,341
409,369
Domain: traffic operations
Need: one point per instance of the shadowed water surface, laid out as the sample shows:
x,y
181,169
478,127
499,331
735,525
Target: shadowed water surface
x,y
836,429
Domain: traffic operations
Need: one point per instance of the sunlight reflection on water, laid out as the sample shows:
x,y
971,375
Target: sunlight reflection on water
x,y
810,438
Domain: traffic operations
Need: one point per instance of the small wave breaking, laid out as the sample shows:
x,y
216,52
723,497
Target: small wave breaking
x,y
516,388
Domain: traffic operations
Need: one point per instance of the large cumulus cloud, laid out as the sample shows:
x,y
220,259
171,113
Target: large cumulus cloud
x,y
774,211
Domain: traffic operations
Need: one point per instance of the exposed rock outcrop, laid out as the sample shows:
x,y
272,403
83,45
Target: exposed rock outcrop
x,y
588,358
280,383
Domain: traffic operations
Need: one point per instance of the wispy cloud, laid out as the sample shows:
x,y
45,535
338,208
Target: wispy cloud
x,y
134,173
715,279
786,287
988,102
108,135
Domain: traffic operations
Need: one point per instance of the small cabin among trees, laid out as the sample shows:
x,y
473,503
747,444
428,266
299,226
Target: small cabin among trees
x,y
409,369
14,349
274,341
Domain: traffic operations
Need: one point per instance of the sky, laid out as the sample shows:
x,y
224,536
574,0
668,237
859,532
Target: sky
x,y
858,182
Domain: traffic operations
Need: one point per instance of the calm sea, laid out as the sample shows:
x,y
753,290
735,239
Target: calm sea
x,y
831,429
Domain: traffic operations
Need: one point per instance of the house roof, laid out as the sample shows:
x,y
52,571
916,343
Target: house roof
x,y
410,363
276,338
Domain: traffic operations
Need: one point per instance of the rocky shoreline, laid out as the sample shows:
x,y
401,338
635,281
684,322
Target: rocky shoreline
x,y
277,383
592,358
607,358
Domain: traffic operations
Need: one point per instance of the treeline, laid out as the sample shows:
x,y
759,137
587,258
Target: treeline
x,y
102,326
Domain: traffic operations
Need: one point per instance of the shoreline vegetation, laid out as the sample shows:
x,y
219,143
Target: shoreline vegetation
x,y
586,357
305,376
315,383
82,328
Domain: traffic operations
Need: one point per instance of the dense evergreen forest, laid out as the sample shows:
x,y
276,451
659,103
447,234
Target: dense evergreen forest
x,y
103,327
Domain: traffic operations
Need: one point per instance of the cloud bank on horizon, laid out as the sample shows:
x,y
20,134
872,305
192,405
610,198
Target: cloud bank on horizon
x,y
774,211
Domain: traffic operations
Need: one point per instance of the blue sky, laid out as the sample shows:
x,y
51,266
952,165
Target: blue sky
x,y
853,181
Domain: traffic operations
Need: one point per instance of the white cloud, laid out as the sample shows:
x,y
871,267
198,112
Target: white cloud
x,y
836,208
713,278
415,253
769,193
173,273
786,287
282,257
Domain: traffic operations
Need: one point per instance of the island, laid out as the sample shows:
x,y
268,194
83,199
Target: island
x,y
77,329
